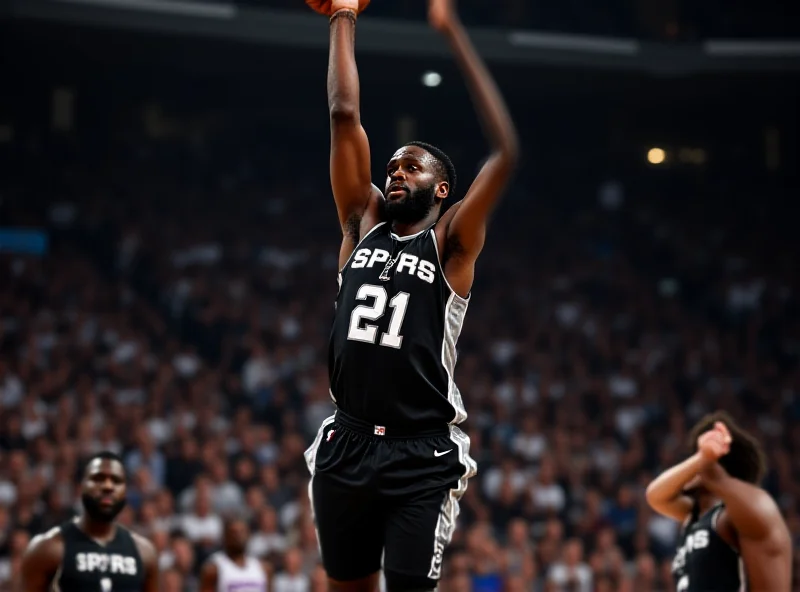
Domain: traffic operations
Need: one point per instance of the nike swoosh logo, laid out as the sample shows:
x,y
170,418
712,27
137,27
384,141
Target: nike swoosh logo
x,y
437,453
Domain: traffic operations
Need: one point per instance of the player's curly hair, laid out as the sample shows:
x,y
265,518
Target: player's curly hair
x,y
746,459
445,165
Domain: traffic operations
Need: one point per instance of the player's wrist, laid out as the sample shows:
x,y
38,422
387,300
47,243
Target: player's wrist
x,y
346,13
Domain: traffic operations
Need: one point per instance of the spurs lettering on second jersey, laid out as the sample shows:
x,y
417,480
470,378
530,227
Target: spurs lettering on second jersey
x,y
88,566
393,343
704,562
105,563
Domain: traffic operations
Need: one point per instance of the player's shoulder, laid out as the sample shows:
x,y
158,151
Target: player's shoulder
x,y
765,505
46,546
147,550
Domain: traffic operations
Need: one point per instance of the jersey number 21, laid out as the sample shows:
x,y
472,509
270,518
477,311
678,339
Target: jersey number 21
x,y
363,312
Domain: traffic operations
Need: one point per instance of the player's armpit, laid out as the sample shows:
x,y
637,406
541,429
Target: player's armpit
x,y
350,157
40,563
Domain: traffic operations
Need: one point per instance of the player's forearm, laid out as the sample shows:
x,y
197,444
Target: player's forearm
x,y
343,84
489,103
669,485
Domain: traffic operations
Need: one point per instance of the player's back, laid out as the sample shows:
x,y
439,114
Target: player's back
x,y
704,562
87,565
393,343
233,577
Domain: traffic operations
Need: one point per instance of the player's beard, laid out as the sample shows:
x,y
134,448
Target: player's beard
x,y
99,513
414,207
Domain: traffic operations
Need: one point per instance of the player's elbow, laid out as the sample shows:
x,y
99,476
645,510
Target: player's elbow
x,y
655,497
511,151
343,113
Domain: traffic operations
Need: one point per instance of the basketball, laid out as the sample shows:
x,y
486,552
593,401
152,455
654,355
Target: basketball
x,y
326,6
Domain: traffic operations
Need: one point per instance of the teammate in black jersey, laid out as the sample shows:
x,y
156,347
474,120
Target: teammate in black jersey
x,y
389,467
93,553
733,534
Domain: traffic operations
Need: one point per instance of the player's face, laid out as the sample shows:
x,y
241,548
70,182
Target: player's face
x,y
103,489
412,186
236,535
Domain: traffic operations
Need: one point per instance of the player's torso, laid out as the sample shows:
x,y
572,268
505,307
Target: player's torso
x,y
704,562
392,348
237,578
90,567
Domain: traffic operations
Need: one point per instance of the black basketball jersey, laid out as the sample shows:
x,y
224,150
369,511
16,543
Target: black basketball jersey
x,y
393,343
89,566
704,562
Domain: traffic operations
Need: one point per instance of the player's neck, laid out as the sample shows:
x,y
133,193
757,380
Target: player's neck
x,y
100,531
238,558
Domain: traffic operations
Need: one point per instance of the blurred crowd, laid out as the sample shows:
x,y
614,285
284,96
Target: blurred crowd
x,y
184,326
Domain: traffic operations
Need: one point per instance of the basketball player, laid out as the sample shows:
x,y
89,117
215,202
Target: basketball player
x,y
389,468
729,523
93,553
232,570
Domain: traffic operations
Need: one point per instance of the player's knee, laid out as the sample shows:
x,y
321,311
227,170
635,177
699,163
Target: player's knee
x,y
402,583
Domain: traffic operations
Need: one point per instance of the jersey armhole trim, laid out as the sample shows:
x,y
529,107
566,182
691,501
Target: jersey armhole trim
x,y
714,519
458,296
358,244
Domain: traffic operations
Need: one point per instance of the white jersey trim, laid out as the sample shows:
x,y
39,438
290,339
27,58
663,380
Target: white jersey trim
x,y
311,462
454,313
408,237
448,515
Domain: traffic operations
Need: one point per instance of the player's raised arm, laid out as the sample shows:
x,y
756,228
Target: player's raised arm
x,y
350,157
467,228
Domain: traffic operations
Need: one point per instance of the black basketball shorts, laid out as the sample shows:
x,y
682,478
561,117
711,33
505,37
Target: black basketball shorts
x,y
386,499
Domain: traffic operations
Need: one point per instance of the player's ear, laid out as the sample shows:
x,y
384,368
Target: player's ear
x,y
443,190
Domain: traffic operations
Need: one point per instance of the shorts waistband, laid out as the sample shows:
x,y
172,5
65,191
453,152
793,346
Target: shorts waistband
x,y
405,433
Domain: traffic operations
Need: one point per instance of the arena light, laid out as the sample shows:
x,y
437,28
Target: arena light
x,y
656,155
431,79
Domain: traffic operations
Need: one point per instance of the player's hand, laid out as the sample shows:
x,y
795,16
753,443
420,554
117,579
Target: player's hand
x,y
328,7
715,443
442,14
354,5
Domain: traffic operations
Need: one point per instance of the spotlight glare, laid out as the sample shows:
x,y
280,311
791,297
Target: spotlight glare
x,y
656,156
431,79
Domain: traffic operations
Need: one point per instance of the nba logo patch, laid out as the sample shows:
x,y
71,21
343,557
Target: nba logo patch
x,y
330,435
380,431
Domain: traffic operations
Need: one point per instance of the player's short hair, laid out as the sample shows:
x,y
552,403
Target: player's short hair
x,y
746,459
105,455
445,165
